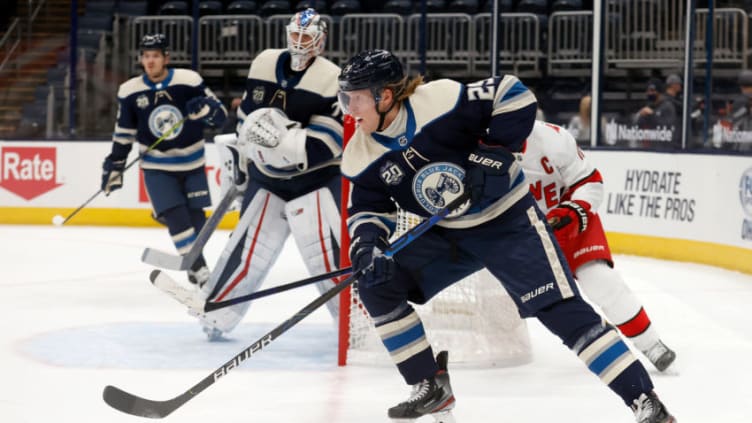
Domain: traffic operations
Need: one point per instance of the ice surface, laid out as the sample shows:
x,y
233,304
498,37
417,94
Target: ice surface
x,y
79,313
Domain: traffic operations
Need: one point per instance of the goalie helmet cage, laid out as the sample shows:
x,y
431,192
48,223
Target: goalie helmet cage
x,y
474,319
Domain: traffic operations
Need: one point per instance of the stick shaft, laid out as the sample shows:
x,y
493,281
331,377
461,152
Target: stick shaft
x,y
128,166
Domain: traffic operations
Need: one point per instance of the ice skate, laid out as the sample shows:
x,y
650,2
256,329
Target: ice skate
x,y
199,276
649,409
432,397
660,355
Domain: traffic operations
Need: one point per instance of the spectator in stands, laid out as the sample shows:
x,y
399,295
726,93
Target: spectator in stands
x,y
674,89
741,108
660,113
579,125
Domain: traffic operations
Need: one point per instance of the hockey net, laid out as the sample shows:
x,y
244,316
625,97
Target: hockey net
x,y
474,319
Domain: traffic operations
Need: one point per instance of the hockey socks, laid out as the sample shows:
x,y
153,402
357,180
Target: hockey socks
x,y
606,355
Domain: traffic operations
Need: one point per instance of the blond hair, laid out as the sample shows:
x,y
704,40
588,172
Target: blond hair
x,y
405,87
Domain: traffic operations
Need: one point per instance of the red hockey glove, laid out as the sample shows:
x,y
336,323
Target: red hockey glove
x,y
569,219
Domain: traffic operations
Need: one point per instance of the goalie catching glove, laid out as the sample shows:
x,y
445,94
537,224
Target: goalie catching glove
x,y
366,255
207,109
569,219
269,138
112,174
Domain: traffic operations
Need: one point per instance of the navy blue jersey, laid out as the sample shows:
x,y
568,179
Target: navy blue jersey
x,y
308,97
419,161
146,110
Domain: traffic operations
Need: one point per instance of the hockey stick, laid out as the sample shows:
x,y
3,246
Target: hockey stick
x,y
56,220
137,406
183,262
558,223
189,297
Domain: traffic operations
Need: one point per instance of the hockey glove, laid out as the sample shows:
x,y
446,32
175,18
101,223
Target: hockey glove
x,y
112,174
207,109
487,173
569,219
366,254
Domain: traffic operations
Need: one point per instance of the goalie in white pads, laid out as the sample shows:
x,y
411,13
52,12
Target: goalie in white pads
x,y
286,160
569,188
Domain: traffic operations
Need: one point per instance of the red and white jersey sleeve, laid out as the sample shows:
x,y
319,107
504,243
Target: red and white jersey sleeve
x,y
557,170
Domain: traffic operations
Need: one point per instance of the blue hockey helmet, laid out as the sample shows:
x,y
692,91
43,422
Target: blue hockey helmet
x,y
373,69
155,41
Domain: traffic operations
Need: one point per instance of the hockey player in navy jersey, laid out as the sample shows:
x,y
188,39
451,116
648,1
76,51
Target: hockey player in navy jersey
x,y
149,106
416,147
569,189
286,162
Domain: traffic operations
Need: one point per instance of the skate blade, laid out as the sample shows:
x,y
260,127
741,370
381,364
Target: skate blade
x,y
440,417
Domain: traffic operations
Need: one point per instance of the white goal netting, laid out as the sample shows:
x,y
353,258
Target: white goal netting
x,y
474,319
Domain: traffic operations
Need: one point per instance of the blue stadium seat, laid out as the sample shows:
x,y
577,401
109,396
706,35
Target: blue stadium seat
x,y
95,23
433,6
275,7
538,7
400,7
505,6
132,8
172,8
212,7
242,7
318,5
102,7
566,5
464,6
345,7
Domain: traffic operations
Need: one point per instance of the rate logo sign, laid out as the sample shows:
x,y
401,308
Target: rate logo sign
x,y
28,171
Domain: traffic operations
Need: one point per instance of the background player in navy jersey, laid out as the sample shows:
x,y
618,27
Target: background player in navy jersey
x,y
417,147
569,189
149,106
286,159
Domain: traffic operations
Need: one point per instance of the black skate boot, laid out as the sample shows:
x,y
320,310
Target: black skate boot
x,y
649,409
432,397
199,273
660,355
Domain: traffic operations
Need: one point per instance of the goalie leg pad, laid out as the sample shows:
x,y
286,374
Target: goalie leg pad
x,y
253,248
314,220
605,287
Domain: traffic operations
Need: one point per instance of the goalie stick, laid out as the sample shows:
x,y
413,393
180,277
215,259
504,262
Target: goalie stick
x,y
189,297
183,262
138,406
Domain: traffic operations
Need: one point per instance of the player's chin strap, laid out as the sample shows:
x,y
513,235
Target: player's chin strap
x,y
382,115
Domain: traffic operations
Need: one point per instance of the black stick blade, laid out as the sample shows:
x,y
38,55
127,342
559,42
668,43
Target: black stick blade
x,y
137,406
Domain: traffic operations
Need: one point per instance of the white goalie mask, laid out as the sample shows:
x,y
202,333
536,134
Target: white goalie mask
x,y
306,35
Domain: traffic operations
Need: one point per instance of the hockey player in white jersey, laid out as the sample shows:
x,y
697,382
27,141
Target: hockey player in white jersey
x,y
286,162
569,189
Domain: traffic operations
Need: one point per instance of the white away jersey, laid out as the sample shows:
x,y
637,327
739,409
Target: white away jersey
x,y
557,170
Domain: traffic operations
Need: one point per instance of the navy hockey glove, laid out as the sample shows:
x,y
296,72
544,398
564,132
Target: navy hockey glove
x,y
569,219
367,254
487,173
207,109
112,174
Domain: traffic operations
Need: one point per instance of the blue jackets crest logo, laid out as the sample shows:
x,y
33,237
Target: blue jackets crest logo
x,y
437,184
163,118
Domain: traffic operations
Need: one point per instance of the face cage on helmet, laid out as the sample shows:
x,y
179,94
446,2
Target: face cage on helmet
x,y
303,52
